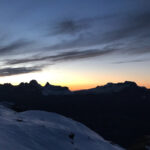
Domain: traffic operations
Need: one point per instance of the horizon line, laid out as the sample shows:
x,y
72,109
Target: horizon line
x,y
80,86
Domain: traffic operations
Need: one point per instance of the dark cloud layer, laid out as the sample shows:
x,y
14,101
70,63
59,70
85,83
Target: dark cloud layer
x,y
75,55
131,61
14,46
131,26
71,55
20,70
70,26
136,26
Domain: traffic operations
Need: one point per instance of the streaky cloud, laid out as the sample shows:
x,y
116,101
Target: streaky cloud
x,y
14,46
70,26
128,27
19,70
131,61
71,55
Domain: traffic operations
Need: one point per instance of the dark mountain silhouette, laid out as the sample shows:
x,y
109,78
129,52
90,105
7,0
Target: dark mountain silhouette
x,y
49,89
109,88
119,112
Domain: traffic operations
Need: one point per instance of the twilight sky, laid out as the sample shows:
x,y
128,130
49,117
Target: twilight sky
x,y
75,43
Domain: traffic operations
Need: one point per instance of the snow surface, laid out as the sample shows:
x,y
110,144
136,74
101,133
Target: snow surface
x,y
39,130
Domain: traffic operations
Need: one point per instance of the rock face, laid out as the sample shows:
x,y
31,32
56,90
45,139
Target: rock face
x,y
39,130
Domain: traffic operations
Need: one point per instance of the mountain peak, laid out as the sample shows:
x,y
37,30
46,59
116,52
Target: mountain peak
x,y
34,83
49,89
47,84
130,83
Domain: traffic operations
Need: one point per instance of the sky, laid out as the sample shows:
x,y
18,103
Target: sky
x,y
74,43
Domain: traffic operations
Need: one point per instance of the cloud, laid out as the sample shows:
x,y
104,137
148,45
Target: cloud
x,y
71,55
76,55
20,70
125,28
131,31
131,61
11,47
70,26
131,26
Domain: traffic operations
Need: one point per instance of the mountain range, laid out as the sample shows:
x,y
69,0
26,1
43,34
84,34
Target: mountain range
x,y
118,112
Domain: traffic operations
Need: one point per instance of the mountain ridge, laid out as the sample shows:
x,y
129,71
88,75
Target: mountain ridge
x,y
63,90
116,116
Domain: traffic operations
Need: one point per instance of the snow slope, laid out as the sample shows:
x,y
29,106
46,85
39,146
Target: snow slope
x,y
39,130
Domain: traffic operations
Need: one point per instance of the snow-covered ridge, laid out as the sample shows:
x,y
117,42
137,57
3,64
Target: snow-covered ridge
x,y
39,130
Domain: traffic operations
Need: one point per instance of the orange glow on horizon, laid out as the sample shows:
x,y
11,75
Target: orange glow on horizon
x,y
81,87
86,86
74,81
76,87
